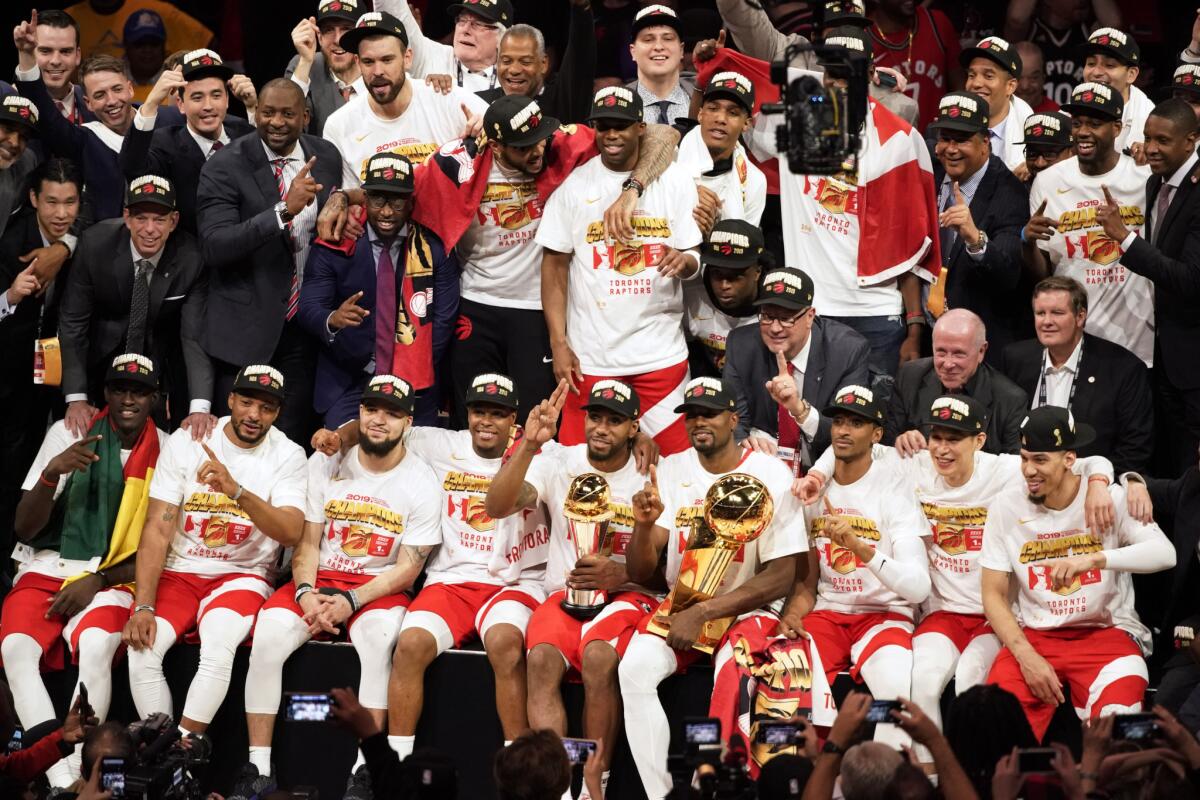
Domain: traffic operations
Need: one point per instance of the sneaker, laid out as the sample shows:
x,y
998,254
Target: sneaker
x,y
358,787
250,784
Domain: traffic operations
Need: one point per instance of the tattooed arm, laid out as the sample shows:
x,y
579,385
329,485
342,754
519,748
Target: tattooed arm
x,y
657,151
152,548
399,578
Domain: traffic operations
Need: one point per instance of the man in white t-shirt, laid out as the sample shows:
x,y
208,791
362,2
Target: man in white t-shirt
x,y
733,258
614,309
371,520
1113,58
471,59
221,511
74,555
993,70
665,513
1073,583
396,115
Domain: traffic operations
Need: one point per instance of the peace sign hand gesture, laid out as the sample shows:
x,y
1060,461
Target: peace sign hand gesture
x,y
542,423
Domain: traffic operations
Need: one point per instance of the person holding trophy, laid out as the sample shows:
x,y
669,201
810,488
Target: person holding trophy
x,y
731,529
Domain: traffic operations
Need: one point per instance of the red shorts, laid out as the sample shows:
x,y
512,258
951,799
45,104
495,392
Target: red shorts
x,y
285,596
464,608
569,635
184,599
847,641
1103,667
961,629
659,392
24,611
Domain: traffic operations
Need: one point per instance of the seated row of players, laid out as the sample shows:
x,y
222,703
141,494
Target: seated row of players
x,y
854,570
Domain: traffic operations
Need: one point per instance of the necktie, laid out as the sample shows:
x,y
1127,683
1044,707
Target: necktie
x,y
664,109
789,432
347,93
1160,208
139,308
385,310
73,116
294,292
947,234
217,145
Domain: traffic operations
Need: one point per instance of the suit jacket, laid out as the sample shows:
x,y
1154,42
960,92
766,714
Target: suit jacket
x,y
918,385
837,356
172,153
249,256
323,98
94,316
1177,510
1174,266
1000,208
1112,394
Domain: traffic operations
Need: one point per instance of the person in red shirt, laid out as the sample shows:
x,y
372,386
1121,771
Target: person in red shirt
x,y
923,46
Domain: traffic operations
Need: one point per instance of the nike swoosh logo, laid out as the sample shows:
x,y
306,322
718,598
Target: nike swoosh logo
x,y
547,360
591,200
360,138
1062,191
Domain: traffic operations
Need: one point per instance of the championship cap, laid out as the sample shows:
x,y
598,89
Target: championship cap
x,y
1052,128
338,9
143,26
388,172
733,85
787,287
656,14
388,390
204,64
846,12
852,38
1052,429
614,395
150,189
19,111
961,111
1095,100
1186,79
493,388
706,393
373,23
958,412
132,368
1115,43
854,399
259,378
500,11
994,49
733,243
517,121
616,102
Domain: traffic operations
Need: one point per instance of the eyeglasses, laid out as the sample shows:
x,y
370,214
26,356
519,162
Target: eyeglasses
x,y
474,22
1042,152
784,322
378,201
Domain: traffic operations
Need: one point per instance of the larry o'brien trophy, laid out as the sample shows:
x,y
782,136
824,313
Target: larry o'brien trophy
x,y
588,513
737,509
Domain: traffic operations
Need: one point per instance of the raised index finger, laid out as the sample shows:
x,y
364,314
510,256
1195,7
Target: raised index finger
x,y
781,363
211,455
721,38
1108,198
828,506
308,165
653,476
1041,210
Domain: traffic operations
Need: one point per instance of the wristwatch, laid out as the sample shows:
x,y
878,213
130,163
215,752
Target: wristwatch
x,y
635,184
978,248
285,216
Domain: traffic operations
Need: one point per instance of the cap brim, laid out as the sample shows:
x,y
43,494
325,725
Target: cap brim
x,y
834,410
395,403
149,200
454,9
130,377
701,402
955,125
390,188
1088,111
617,116
965,57
855,20
1084,435
144,37
728,94
260,390
795,305
1170,91
24,124
728,262
1104,50
215,71
491,400
1045,142
342,15
658,21
961,427
612,406
547,128
351,39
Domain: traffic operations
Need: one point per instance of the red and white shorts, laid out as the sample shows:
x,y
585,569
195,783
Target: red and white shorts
x,y
184,599
960,629
659,393
453,612
24,611
1103,667
847,641
570,636
285,596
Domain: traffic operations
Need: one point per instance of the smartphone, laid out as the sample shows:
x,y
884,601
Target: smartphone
x,y
1135,727
886,80
881,711
1035,760
780,734
112,775
578,750
702,731
308,706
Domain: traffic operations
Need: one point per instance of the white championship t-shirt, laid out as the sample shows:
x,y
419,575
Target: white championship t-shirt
x,y
215,536
1133,119
623,317
742,190
431,120
707,324
501,264
1120,303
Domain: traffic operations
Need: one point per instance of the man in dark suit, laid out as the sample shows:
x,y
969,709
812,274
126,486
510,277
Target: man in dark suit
x,y
58,55
959,346
257,203
1102,383
178,152
983,209
329,77
137,285
790,341
1168,253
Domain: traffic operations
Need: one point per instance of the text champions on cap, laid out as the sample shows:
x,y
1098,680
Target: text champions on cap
x,y
522,116
16,102
861,392
196,55
138,183
954,404
399,384
133,358
1045,120
968,103
785,277
1095,88
848,42
616,387
1112,33
619,92
1183,70
502,381
344,5
737,77
401,165
371,17
263,369
655,9
730,237
712,384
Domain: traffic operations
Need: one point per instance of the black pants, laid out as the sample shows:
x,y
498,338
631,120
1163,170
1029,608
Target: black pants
x,y
1177,414
510,341
25,412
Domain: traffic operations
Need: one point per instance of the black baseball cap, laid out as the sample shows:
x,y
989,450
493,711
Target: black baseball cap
x,y
961,111
143,25
260,378
373,23
1052,429
855,399
204,63
1095,100
500,11
132,368
1052,128
787,287
153,189
1186,79
19,111
852,38
388,172
1115,43
994,49
733,243
846,12
347,10
656,14
618,103
517,121
388,390
733,85
958,412
706,393
614,395
492,388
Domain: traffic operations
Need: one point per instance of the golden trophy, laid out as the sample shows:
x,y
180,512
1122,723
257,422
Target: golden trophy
x,y
587,511
737,509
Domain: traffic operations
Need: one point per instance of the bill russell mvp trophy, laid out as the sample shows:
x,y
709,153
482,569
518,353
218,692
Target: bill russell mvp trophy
x,y
737,509
588,513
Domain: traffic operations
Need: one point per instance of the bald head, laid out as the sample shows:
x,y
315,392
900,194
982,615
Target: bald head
x,y
867,769
959,342
1031,56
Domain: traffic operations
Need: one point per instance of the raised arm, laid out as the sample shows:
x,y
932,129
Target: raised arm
x,y
509,491
284,524
648,539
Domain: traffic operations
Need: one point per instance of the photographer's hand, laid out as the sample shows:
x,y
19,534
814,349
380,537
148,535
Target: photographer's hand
x,y
91,790
350,714
78,723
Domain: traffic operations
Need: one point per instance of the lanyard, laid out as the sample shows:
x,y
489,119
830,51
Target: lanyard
x,y
1074,378
458,66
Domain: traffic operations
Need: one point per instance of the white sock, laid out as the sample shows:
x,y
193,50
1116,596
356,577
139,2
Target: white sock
x,y
184,732
403,745
358,762
59,775
507,742
584,794
261,758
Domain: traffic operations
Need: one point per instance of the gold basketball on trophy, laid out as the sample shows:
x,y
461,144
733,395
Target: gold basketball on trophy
x,y
588,512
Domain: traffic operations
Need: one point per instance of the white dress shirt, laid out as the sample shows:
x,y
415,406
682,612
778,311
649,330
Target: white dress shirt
x,y
304,223
1058,380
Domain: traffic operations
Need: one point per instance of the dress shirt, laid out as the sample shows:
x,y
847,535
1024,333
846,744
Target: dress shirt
x,y
996,134
680,103
1058,380
6,308
968,189
812,422
145,122
376,251
1175,181
304,223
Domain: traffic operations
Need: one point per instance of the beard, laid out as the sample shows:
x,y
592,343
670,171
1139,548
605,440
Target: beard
x,y
250,440
378,449
1037,499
